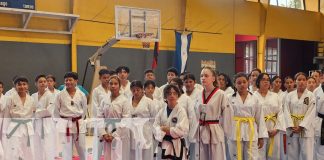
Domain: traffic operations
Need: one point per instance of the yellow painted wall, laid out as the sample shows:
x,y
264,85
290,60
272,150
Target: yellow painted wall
x,y
226,17
214,17
322,27
292,24
247,18
312,5
61,6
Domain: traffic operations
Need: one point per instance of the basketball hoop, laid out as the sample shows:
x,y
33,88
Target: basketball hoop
x,y
145,38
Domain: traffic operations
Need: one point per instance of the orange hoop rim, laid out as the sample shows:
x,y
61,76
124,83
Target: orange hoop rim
x,y
145,38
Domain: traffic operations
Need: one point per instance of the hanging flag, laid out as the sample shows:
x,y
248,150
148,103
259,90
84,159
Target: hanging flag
x,y
156,54
182,49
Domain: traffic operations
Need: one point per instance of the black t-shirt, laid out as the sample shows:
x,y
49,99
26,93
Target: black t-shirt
x,y
169,110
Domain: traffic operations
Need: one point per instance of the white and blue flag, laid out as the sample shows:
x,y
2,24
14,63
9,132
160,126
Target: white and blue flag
x,y
182,49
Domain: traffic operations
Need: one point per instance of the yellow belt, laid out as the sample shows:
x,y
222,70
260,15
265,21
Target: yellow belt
x,y
273,118
238,120
296,118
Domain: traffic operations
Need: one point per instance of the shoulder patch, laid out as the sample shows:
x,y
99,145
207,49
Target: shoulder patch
x,y
174,119
306,100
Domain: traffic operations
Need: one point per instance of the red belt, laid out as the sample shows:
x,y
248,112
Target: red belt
x,y
76,120
204,123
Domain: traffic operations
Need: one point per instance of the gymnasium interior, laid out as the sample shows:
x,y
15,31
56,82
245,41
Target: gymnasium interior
x,y
280,37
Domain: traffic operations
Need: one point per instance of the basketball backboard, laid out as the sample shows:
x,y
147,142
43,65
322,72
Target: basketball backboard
x,y
137,24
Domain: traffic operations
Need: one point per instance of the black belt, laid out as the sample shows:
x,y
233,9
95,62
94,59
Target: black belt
x,y
322,127
173,157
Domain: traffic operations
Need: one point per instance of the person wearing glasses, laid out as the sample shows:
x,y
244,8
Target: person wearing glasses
x,y
273,116
171,126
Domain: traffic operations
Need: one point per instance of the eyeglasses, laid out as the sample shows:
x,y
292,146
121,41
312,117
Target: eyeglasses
x,y
265,80
172,93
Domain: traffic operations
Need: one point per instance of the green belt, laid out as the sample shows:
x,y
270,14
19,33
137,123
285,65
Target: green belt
x,y
43,132
19,122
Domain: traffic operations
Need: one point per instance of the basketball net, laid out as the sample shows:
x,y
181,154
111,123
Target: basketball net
x,y
145,38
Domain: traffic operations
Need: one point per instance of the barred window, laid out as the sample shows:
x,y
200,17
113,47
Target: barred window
x,y
272,57
250,56
298,4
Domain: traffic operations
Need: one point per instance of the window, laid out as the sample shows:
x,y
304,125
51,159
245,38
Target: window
x,y
272,57
245,53
250,56
298,4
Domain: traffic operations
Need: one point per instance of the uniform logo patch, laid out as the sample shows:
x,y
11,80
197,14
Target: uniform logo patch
x,y
174,119
306,101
